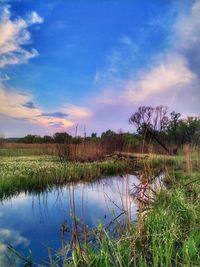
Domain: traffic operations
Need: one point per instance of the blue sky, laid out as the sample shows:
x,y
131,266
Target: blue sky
x,y
92,63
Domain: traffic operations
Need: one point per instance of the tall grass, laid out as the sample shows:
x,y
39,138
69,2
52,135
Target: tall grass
x,y
83,151
18,149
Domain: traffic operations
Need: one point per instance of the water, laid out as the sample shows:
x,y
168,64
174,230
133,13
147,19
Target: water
x,y
34,221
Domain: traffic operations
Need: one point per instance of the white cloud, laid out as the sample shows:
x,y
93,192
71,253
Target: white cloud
x,y
170,74
20,106
126,40
7,235
11,104
4,77
10,236
14,35
35,18
77,112
186,32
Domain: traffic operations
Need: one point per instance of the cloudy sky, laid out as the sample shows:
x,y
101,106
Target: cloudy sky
x,y
93,62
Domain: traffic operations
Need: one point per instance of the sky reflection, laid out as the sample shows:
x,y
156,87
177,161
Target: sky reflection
x,y
34,221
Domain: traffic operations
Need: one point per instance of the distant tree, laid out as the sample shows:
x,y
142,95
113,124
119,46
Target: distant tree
x,y
112,141
130,139
2,139
174,126
38,139
183,131
47,139
62,138
94,135
28,139
77,140
189,130
108,133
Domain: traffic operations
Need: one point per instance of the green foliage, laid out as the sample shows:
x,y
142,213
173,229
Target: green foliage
x,y
62,138
31,139
130,139
108,134
184,130
93,135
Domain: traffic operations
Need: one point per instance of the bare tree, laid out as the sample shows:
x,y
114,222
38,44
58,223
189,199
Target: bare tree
x,y
151,122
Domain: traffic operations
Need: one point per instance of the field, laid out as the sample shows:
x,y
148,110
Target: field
x,y
167,231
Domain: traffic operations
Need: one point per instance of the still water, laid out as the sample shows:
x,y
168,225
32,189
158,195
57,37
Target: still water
x,y
34,222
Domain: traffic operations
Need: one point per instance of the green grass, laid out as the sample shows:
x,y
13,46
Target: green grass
x,y
173,220
10,152
37,173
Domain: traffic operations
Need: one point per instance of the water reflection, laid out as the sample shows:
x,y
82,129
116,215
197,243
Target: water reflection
x,y
35,221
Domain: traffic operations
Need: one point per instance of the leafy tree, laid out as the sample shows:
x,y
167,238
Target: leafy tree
x,y
62,138
130,139
28,139
108,134
37,139
94,135
47,139
189,130
174,126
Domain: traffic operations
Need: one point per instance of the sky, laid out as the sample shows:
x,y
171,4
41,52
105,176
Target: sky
x,y
92,63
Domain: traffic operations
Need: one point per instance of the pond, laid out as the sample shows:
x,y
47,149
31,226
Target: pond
x,y
34,221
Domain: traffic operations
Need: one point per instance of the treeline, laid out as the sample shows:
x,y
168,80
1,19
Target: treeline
x,y
65,138
153,127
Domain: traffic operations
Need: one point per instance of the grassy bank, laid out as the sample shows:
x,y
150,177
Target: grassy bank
x,y
37,173
170,234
